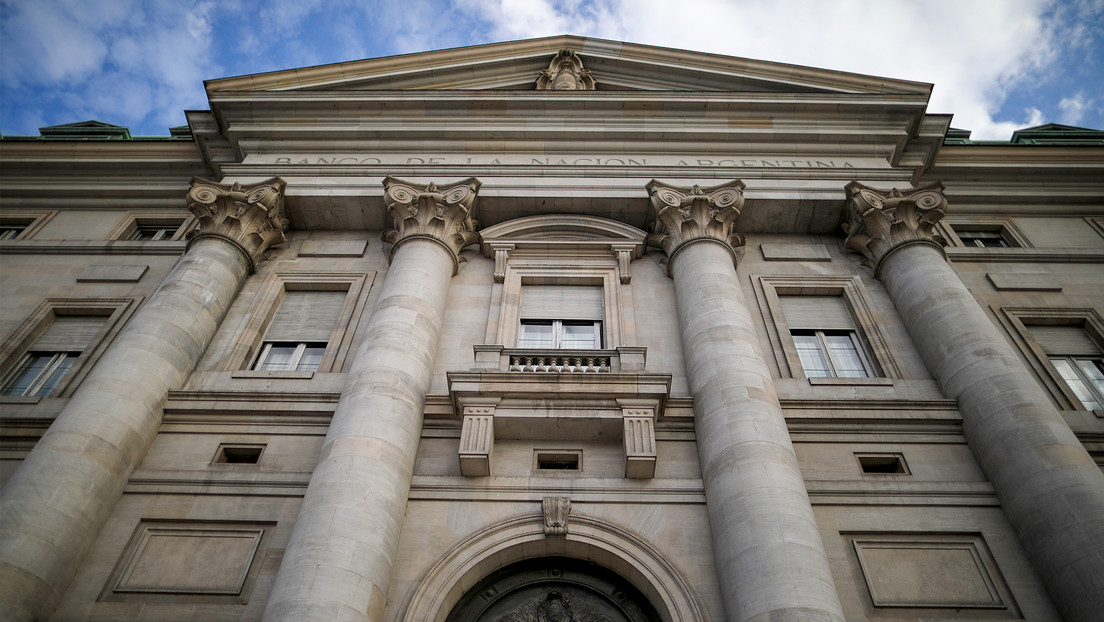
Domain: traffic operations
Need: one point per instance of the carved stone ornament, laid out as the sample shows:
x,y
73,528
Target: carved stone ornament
x,y
686,214
442,213
565,73
555,511
879,222
554,606
251,217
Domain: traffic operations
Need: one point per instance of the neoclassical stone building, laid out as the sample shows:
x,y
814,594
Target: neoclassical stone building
x,y
559,329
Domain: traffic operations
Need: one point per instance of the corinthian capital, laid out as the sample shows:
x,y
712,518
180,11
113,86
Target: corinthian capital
x,y
880,222
683,215
251,217
441,214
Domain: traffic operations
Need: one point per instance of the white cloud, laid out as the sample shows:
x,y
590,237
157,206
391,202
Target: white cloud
x,y
1074,108
972,51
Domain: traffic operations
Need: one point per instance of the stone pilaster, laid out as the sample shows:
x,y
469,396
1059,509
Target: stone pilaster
x,y
338,563
53,508
1049,488
770,559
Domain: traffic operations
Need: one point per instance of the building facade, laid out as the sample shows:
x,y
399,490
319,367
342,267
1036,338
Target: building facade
x,y
558,329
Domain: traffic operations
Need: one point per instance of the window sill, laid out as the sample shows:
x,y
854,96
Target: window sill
x,y
881,382
283,375
19,399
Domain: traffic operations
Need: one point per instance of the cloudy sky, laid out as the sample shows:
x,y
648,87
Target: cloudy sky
x,y
998,65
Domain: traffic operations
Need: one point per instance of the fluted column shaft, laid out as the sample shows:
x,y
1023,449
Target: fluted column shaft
x,y
1050,489
770,559
53,507
339,560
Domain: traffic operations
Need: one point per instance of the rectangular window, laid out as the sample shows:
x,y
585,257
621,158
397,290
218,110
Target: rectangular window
x,y
984,239
562,317
299,332
11,232
153,232
824,335
1078,360
52,355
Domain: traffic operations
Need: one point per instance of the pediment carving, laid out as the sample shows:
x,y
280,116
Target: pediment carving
x,y
565,73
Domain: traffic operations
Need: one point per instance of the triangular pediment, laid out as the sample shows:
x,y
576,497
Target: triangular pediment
x,y
615,66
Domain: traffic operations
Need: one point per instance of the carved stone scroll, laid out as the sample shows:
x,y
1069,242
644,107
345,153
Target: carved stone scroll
x,y
251,217
501,255
555,511
565,73
441,213
683,215
624,254
879,222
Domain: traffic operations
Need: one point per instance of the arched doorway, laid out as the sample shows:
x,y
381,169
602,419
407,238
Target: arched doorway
x,y
553,589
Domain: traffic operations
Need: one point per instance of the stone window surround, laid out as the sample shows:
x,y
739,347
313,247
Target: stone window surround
x,y
117,310
32,221
769,288
132,220
559,271
1017,320
249,342
1005,225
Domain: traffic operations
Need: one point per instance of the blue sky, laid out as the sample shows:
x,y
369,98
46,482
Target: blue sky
x,y
998,65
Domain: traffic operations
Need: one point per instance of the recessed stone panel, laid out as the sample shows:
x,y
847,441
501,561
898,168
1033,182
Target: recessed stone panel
x,y
107,274
189,560
795,252
951,571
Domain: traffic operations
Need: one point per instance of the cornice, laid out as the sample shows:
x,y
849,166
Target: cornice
x,y
593,51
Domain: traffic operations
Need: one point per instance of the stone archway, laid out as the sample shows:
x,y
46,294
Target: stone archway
x,y
553,589
481,555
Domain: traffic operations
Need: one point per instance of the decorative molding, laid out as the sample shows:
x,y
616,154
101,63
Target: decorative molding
x,y
565,73
879,222
555,511
427,211
683,215
501,256
250,217
477,437
624,253
639,437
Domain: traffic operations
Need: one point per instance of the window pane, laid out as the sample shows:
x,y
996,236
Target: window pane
x,y
845,356
1093,370
312,356
57,374
813,361
578,336
278,358
29,369
535,335
1079,387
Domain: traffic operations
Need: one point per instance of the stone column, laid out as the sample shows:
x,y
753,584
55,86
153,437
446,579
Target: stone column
x,y
769,555
53,508
338,563
1049,487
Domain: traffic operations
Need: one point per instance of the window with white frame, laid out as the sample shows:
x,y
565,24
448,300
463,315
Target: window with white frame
x,y
561,317
154,232
827,343
297,337
1078,360
46,362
